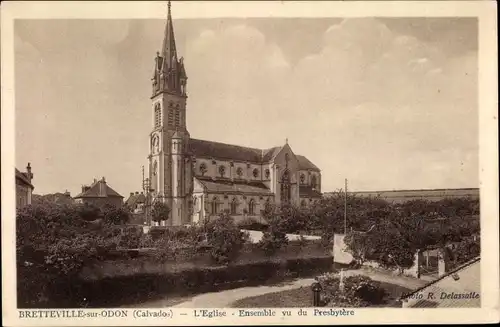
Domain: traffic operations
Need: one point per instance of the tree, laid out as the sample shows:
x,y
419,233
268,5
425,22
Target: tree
x,y
224,238
115,215
358,244
160,211
53,243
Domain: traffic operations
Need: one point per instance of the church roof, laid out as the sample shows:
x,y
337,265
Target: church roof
x,y
99,189
23,178
234,188
168,49
201,148
307,191
216,150
305,163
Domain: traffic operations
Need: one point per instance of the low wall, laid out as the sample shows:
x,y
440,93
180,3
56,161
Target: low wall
x,y
256,236
340,254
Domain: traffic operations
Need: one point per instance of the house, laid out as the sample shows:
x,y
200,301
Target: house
x,y
459,288
99,194
136,202
24,187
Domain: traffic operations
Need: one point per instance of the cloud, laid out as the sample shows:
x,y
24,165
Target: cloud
x,y
369,93
382,108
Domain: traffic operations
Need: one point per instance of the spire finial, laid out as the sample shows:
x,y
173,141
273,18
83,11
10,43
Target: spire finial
x,y
286,140
169,5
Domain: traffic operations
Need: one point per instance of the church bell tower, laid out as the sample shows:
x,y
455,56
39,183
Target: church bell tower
x,y
169,173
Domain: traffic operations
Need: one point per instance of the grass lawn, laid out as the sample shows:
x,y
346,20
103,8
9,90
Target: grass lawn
x,y
302,297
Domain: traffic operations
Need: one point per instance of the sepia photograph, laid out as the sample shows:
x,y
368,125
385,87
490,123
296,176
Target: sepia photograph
x,y
249,163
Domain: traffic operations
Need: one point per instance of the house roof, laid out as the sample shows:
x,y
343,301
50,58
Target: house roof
x,y
99,189
22,177
135,199
234,188
436,287
216,150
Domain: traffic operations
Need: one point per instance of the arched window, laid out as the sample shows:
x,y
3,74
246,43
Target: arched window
x,y
222,171
234,206
157,115
239,172
255,173
313,181
215,206
303,203
286,192
170,113
177,116
268,173
302,178
203,169
251,207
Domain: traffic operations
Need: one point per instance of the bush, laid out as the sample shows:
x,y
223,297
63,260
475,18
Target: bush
x,y
359,291
272,241
466,250
252,224
114,215
130,237
160,211
225,239
53,243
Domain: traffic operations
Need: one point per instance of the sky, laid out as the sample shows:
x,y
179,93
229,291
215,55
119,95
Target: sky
x,y
388,103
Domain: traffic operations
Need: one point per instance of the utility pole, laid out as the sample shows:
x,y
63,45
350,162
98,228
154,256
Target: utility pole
x,y
145,188
345,208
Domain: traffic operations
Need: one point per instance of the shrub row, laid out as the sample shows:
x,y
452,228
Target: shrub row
x,y
114,291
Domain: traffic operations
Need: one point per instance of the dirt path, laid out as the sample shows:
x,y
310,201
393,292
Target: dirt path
x,y
226,298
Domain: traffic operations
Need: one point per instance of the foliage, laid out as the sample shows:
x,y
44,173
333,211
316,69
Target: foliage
x,y
358,245
160,211
280,221
358,291
251,224
115,215
53,243
466,250
194,278
224,238
130,237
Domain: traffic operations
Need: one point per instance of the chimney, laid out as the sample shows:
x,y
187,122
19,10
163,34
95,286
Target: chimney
x,y
131,193
67,194
28,170
136,193
95,180
103,179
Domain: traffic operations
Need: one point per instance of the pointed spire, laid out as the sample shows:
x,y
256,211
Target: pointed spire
x,y
168,50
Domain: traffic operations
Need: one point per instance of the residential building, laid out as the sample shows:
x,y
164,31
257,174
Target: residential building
x,y
200,178
136,202
99,194
24,187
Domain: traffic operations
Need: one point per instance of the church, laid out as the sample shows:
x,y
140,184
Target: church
x,y
199,178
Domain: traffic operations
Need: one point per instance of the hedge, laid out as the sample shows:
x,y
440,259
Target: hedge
x,y
133,289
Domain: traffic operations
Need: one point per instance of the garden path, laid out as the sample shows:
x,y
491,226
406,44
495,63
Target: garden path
x,y
226,298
